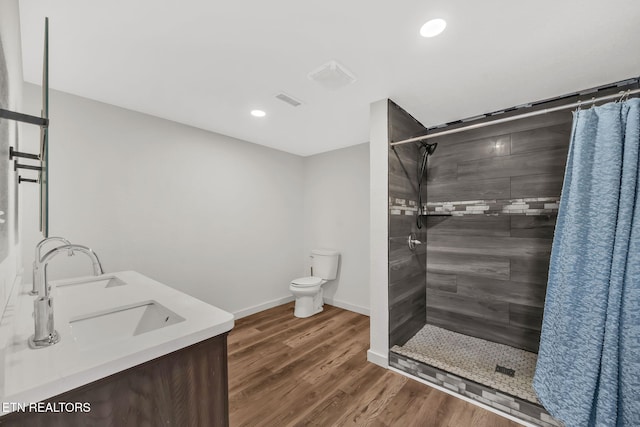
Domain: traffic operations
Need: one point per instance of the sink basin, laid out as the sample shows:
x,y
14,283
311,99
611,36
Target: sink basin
x,y
99,282
121,323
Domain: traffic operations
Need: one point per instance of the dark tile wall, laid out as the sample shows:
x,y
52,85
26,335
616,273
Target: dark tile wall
x,y
407,269
487,269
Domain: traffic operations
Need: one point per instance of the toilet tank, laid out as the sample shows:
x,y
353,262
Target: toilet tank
x,y
324,263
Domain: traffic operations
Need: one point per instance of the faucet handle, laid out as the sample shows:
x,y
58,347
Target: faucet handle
x,y
412,241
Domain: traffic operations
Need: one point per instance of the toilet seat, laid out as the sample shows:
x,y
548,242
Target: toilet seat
x,y
306,282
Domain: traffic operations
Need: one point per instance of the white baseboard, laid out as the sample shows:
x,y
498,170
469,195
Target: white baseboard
x,y
465,398
378,359
348,306
261,307
279,301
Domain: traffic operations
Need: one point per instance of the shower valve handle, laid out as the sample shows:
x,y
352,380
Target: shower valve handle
x,y
412,241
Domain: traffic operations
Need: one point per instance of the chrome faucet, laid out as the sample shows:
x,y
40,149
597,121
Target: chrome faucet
x,y
36,260
45,333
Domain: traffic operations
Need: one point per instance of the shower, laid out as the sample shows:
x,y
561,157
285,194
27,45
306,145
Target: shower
x,y
426,150
466,310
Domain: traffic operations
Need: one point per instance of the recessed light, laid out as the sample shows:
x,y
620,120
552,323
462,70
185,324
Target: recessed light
x,y
433,27
258,113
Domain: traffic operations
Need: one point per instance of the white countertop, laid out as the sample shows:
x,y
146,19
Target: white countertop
x,y
29,375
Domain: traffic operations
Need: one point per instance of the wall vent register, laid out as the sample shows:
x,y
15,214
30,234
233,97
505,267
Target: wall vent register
x,y
289,99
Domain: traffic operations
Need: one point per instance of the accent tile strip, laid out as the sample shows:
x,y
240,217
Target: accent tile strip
x,y
526,206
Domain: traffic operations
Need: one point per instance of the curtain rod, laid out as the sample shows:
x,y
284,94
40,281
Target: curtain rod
x,y
518,117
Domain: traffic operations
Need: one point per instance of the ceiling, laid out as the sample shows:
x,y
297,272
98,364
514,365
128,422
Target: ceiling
x,y
209,63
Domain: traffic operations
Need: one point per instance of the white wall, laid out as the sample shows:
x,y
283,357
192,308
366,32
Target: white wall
x,y
212,216
336,216
10,39
379,231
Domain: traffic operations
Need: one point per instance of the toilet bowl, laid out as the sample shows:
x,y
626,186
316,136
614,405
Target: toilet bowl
x,y
308,290
308,294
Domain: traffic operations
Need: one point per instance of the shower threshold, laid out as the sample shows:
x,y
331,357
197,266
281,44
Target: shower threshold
x,y
498,366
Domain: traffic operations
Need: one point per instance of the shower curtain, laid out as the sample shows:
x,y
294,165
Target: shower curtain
x,y
588,370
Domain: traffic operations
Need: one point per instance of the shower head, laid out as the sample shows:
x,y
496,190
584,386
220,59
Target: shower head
x,y
430,148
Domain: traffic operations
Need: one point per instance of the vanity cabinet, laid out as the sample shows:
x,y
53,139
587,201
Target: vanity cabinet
x,y
187,387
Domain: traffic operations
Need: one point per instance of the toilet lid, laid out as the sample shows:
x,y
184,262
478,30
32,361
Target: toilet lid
x,y
306,281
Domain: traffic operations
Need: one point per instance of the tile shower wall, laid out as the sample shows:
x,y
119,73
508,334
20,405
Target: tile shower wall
x,y
487,263
407,269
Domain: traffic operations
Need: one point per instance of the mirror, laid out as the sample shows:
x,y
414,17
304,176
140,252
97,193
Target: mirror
x,y
8,153
4,160
44,138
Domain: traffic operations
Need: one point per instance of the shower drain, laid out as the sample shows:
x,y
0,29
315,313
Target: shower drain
x,y
506,371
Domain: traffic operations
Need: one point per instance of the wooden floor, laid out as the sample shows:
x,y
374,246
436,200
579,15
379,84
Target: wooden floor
x,y
285,371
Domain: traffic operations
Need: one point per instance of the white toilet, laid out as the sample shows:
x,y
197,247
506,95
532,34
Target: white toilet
x,y
308,290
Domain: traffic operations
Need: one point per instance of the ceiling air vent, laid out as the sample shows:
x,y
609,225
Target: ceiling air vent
x,y
332,75
288,99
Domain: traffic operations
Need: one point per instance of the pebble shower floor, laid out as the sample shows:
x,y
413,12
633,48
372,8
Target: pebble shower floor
x,y
475,359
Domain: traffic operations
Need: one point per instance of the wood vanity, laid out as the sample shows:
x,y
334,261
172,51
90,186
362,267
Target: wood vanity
x,y
175,376
185,388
